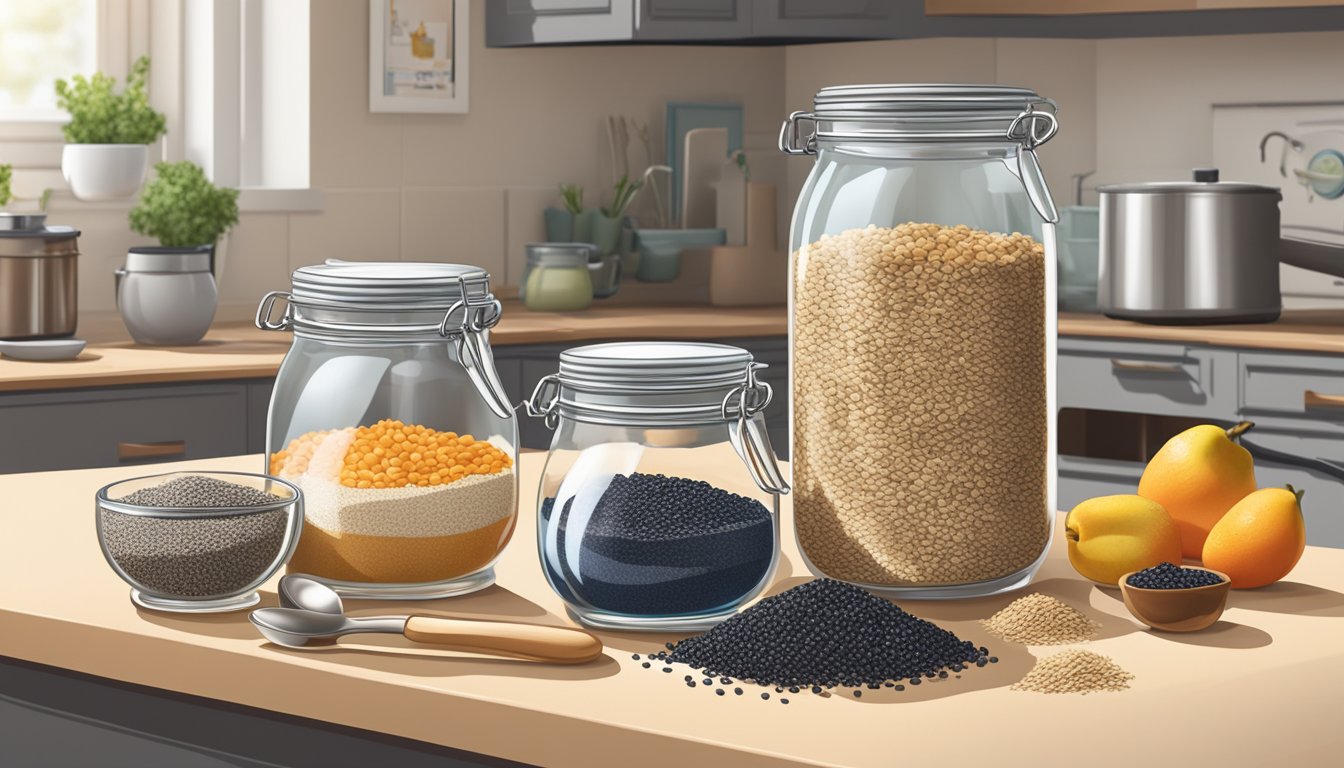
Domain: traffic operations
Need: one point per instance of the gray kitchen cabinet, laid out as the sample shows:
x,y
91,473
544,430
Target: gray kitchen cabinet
x,y
120,426
1295,399
1146,377
511,23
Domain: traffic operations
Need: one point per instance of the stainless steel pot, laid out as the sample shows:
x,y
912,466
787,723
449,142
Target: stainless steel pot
x,y
38,283
1195,252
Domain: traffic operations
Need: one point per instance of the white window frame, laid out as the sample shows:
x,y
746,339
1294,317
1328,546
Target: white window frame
x,y
211,94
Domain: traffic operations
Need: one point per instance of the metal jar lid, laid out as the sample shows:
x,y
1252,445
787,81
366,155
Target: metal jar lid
x,y
651,384
46,241
395,303
922,112
573,255
161,260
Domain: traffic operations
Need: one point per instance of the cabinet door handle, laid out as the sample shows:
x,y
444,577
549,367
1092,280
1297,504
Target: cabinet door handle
x,y
130,451
1140,366
1312,399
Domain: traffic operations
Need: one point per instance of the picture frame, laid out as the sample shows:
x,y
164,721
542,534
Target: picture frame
x,y
418,56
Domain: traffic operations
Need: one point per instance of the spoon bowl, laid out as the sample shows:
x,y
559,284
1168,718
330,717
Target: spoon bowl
x,y
299,591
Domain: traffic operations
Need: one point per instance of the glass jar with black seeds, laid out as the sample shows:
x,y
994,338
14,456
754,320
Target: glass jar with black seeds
x,y
198,542
658,506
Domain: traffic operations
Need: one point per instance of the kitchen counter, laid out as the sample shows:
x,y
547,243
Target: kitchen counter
x,y
238,350
1296,331
1256,689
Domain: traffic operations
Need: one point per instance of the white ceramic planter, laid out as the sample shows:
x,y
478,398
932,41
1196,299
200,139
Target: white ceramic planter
x,y
104,171
167,296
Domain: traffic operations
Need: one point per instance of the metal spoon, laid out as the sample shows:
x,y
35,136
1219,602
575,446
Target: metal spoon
x,y
319,619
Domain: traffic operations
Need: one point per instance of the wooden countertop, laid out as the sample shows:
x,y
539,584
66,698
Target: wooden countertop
x,y
237,350
1295,331
1258,688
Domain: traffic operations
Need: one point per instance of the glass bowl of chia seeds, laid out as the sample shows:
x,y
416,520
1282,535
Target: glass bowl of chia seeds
x,y
198,542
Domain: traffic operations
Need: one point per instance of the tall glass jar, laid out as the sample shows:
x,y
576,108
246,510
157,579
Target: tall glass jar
x,y
389,414
659,503
922,337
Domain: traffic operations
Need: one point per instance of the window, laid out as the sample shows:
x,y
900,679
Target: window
x,y
42,41
231,76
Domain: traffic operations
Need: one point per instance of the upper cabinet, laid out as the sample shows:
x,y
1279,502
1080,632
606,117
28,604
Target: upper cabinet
x,y
774,22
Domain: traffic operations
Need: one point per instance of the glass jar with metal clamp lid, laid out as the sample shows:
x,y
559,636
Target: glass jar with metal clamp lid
x,y
922,337
659,504
389,413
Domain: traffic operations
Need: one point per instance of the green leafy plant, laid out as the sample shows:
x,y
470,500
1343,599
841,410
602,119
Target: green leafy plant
x,y
100,115
572,196
621,198
6,174
182,208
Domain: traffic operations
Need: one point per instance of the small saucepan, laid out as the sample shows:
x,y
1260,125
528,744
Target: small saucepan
x,y
1205,251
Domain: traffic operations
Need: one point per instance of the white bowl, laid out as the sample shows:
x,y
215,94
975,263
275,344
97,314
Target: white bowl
x,y
43,350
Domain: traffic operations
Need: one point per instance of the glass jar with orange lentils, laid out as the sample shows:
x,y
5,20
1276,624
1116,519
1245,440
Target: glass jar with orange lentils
x,y
389,414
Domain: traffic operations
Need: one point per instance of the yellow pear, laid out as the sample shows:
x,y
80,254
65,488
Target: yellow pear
x,y
1197,476
1260,539
1110,536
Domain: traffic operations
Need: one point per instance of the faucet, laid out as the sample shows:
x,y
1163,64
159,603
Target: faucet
x,y
1078,186
1288,141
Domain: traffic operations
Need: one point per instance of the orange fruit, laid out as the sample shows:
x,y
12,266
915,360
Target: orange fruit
x,y
1260,539
1197,476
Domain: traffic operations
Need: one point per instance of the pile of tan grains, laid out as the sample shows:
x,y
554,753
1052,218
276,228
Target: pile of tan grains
x,y
1074,672
919,397
1038,619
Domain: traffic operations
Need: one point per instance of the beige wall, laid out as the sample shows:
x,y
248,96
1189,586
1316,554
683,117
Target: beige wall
x,y
471,187
467,188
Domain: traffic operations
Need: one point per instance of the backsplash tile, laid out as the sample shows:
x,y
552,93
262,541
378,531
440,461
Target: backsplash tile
x,y
354,224
463,226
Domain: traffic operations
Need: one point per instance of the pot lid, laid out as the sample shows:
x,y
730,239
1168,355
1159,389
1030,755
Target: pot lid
x,y
37,243
45,233
362,283
1205,181
653,365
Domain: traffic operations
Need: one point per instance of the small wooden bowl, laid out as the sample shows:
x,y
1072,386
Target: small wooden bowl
x,y
1177,610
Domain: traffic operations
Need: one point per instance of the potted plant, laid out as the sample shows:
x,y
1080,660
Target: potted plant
x,y
109,133
166,294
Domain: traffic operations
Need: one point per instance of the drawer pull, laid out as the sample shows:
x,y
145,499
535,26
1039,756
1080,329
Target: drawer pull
x,y
130,451
1139,366
1317,400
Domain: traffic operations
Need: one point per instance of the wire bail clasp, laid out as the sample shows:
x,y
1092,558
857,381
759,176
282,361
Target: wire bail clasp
x,y
747,433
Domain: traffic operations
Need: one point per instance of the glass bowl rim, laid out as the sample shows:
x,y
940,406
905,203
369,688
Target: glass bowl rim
x,y
105,503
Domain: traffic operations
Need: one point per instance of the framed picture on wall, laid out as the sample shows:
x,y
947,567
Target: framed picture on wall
x,y
418,56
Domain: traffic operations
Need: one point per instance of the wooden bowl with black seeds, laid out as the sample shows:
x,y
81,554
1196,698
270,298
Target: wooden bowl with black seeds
x,y
1170,606
198,542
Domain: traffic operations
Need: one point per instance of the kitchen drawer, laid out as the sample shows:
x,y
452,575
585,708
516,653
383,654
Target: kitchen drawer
x,y
1162,379
122,426
1306,386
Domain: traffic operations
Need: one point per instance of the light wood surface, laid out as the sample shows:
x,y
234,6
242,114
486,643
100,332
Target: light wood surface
x,y
237,350
1296,331
557,645
1259,688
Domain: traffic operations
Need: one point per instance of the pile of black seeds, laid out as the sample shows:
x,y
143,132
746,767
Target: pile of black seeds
x,y
662,546
199,491
826,633
1171,576
195,557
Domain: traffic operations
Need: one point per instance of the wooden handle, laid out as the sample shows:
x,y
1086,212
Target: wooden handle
x,y
1139,366
558,645
128,451
1312,399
